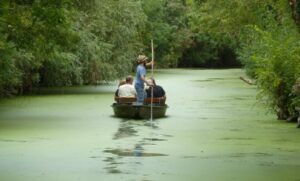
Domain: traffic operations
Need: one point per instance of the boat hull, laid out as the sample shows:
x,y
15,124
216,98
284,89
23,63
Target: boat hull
x,y
158,111
139,111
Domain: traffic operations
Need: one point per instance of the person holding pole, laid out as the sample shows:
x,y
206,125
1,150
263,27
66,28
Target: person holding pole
x,y
141,77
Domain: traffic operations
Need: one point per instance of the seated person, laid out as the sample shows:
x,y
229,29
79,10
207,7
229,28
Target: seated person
x,y
158,91
127,90
122,82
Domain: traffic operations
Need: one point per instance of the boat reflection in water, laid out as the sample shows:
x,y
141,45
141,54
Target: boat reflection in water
x,y
138,151
130,146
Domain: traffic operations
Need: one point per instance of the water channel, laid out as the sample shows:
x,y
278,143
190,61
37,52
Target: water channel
x,y
214,130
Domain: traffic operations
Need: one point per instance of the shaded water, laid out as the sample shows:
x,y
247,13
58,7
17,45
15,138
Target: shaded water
x,y
214,131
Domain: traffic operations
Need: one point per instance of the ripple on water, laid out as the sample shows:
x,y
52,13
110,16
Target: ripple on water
x,y
154,139
11,140
209,79
258,154
227,138
137,152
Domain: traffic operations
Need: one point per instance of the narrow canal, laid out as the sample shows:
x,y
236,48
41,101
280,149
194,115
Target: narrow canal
x,y
215,130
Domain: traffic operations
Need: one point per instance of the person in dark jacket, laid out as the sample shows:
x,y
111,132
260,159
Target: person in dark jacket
x,y
158,91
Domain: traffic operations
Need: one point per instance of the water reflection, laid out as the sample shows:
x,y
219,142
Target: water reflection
x,y
155,139
132,145
126,129
137,151
151,124
112,165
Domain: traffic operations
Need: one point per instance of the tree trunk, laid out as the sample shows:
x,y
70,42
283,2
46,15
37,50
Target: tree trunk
x,y
294,6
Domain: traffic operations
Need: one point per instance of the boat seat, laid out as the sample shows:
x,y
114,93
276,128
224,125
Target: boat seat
x,y
129,100
156,100
125,99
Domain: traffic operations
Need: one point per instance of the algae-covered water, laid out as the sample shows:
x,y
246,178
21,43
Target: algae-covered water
x,y
215,130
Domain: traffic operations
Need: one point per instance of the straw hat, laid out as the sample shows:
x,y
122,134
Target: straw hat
x,y
141,58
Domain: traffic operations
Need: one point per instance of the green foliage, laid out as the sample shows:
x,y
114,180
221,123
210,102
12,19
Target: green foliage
x,y
271,55
209,51
168,27
67,42
298,8
109,39
9,74
266,40
275,63
37,30
214,42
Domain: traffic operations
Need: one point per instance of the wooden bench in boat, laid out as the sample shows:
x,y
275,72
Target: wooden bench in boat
x,y
129,100
125,100
156,100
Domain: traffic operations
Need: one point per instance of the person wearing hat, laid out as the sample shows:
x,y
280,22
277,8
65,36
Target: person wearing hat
x,y
141,77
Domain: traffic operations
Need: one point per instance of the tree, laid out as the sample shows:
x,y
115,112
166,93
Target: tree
x,y
167,25
265,38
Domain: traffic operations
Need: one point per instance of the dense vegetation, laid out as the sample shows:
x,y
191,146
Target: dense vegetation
x,y
73,42
265,37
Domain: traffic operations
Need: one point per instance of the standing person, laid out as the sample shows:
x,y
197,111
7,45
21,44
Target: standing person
x,y
141,77
127,90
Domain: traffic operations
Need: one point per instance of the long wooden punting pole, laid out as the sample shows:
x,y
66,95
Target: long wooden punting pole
x,y
152,56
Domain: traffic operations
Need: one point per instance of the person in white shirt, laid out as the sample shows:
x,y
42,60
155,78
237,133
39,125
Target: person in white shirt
x,y
127,90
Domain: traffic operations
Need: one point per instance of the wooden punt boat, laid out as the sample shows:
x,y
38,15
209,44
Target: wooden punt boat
x,y
128,108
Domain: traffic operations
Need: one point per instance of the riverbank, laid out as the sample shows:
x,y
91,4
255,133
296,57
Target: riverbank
x,y
215,130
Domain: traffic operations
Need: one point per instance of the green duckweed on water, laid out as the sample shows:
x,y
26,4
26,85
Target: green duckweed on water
x,y
214,130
